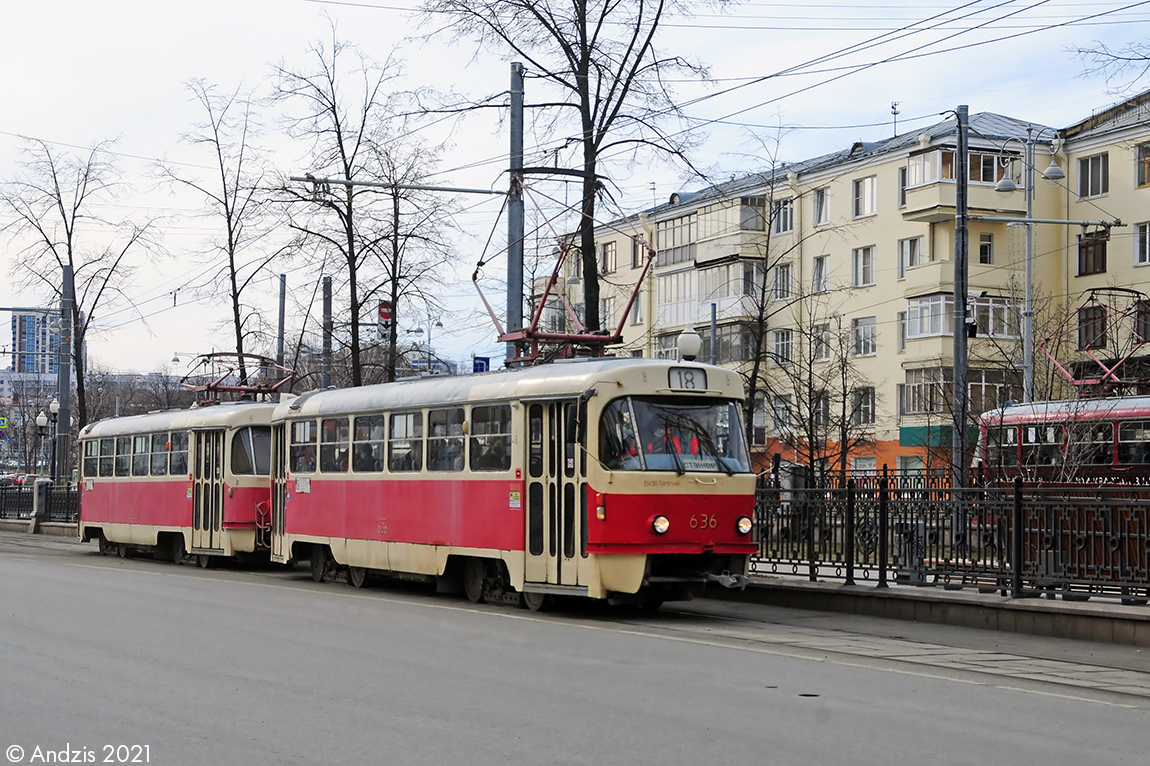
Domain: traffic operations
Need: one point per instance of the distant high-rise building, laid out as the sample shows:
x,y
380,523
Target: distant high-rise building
x,y
35,342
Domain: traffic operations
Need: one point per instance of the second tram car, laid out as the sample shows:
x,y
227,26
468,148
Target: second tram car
x,y
621,479
181,481
1107,438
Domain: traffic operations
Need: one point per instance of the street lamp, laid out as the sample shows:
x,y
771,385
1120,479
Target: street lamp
x,y
53,416
41,432
418,332
1006,186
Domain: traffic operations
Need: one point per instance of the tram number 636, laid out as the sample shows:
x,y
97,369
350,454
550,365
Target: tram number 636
x,y
703,521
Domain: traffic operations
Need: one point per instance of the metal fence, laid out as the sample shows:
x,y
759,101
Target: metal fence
x,y
62,504
1074,540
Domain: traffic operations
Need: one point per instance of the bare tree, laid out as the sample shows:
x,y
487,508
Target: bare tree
x,y
236,197
1122,67
54,204
610,82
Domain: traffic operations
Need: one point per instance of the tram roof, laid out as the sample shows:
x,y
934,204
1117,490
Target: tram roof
x,y
1069,409
558,379
216,415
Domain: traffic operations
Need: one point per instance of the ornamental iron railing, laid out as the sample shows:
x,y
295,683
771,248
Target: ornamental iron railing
x,y
1071,539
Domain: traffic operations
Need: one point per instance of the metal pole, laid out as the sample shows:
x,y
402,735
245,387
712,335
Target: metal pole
x,y
64,377
961,244
883,525
283,300
714,336
849,545
1016,541
1028,309
325,374
515,226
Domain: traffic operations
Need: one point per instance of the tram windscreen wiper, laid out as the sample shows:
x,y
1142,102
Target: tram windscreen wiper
x,y
679,469
708,443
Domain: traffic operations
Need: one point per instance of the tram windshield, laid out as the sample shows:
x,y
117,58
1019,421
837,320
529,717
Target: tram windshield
x,y
650,433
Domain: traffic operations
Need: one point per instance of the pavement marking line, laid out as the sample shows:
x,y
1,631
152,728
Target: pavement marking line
x,y
795,639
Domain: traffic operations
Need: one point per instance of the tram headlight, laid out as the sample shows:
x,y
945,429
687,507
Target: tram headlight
x,y
743,525
660,525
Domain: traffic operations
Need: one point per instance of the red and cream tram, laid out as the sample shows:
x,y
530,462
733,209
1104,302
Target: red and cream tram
x,y
621,479
1106,438
183,481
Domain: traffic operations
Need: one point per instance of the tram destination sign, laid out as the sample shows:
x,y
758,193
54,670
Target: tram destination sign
x,y
687,379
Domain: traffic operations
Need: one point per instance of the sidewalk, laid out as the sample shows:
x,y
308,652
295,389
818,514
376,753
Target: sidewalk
x,y
1096,620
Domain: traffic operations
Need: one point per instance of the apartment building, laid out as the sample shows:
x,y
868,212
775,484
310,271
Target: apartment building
x,y
830,282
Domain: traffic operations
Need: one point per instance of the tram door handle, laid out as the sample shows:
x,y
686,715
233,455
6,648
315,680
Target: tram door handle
x,y
706,481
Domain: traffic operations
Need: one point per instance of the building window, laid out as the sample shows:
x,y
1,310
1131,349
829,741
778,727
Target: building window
x,y
922,169
666,346
902,186
637,310
751,213
675,240
759,422
864,466
924,391
821,343
1142,161
820,274
1092,327
715,282
783,216
862,406
862,272
822,210
863,198
821,410
784,346
637,252
781,413
864,336
985,168
607,258
996,318
910,253
986,248
607,312
1142,322
1142,244
1094,175
782,287
1091,256
900,324
929,315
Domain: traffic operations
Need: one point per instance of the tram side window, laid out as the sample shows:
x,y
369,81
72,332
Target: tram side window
x,y
1042,444
251,451
178,443
91,458
333,445
303,439
491,438
123,455
405,445
1002,447
445,440
159,462
107,457
141,455
368,445
1134,442
1091,444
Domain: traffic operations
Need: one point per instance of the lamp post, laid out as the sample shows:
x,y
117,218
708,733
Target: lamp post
x,y
1006,186
41,432
418,332
53,435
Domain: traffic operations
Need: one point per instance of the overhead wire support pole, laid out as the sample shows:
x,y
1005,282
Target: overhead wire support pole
x,y
961,243
515,223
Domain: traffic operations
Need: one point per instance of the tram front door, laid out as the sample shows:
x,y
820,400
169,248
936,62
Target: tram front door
x,y
556,498
208,490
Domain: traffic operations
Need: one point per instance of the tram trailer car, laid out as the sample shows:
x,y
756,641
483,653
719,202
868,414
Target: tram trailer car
x,y
620,479
180,481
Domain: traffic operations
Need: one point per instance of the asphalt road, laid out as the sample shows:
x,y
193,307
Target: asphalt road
x,y
264,666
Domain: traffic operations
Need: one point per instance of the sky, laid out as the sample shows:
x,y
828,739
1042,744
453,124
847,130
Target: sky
x,y
800,79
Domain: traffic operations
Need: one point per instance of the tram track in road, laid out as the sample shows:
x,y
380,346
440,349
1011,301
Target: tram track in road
x,y
1106,674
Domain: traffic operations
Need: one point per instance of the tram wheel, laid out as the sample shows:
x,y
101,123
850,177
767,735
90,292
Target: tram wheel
x,y
536,602
651,606
122,550
204,560
105,546
176,549
357,576
473,576
318,562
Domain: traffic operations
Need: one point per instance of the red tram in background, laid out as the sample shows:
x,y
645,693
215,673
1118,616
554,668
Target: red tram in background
x,y
184,481
619,479
1068,440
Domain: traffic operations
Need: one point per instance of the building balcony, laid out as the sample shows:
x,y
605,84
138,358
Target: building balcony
x,y
934,202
